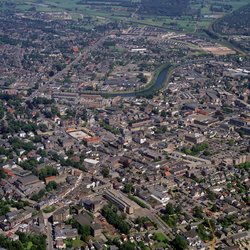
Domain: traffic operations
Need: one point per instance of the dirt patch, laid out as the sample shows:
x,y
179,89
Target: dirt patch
x,y
219,50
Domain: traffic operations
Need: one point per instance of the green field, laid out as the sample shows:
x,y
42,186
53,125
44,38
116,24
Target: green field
x,y
105,13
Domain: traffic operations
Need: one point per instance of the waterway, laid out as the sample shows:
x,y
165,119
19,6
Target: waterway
x,y
156,85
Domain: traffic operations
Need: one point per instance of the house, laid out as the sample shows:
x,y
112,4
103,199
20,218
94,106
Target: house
x,y
159,193
197,193
60,244
85,219
29,184
16,217
194,138
92,205
194,240
244,236
66,233
67,143
61,215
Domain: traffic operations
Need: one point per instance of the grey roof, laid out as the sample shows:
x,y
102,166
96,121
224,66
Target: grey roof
x,y
26,180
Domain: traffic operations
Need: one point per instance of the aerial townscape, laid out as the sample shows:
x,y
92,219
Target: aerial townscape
x,y
125,124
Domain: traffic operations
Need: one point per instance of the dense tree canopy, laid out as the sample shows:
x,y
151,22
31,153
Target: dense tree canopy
x,y
165,7
179,243
110,213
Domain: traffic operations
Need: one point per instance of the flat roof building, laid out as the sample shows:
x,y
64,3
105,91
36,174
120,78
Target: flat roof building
x,y
121,201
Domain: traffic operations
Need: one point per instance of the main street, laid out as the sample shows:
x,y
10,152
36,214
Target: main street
x,y
48,225
49,234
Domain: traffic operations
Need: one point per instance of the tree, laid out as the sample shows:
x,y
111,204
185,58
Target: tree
x,y
105,172
47,171
19,204
128,188
4,208
246,225
51,185
203,233
178,209
38,241
179,243
211,195
142,77
169,209
128,246
39,195
9,244
110,213
2,174
55,111
86,232
197,212
30,165
163,113
231,142
171,220
42,153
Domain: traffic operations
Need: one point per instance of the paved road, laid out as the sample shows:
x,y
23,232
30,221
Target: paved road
x,y
77,183
161,225
48,227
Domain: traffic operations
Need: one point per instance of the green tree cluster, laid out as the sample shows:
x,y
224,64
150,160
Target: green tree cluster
x,y
38,196
204,233
171,214
137,200
47,171
179,243
4,207
37,242
52,185
142,78
226,221
196,149
105,172
42,100
16,144
128,188
14,126
3,175
111,129
9,244
211,195
84,231
197,212
245,166
30,165
110,213
142,220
